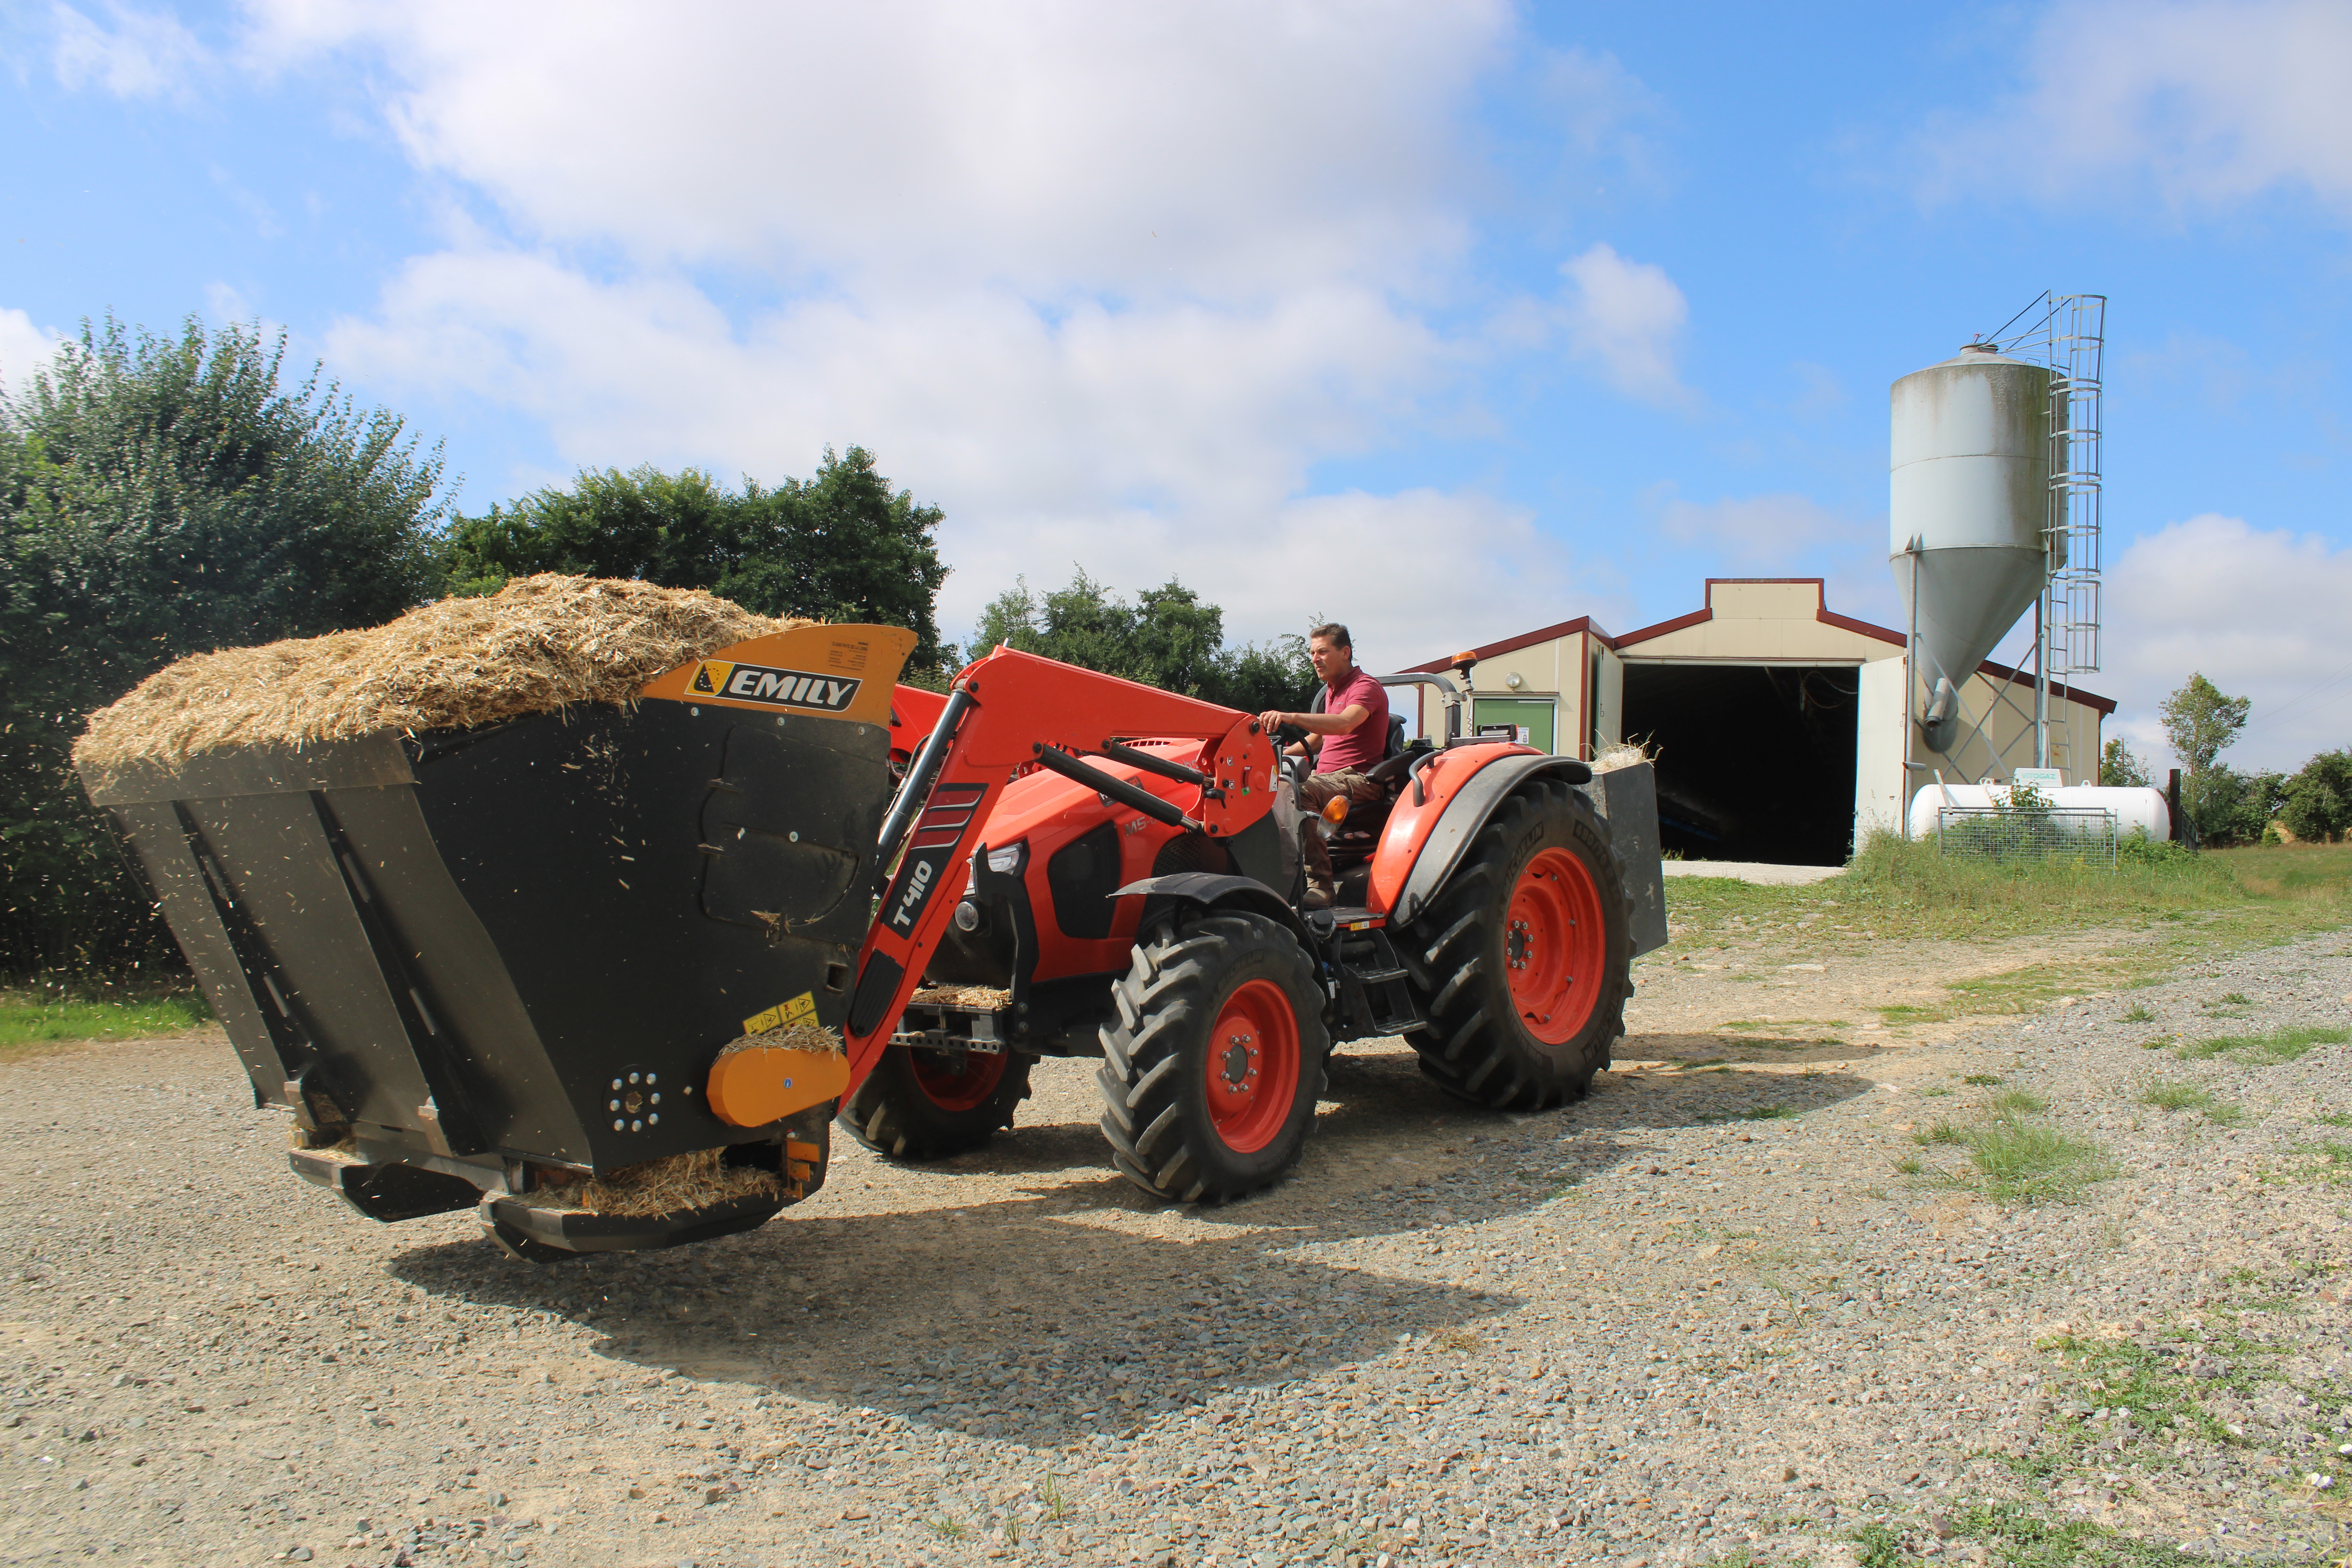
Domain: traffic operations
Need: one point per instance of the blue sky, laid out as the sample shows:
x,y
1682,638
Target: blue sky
x,y
1450,321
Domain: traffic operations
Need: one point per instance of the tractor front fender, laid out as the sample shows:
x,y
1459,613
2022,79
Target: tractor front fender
x,y
1465,814
1211,890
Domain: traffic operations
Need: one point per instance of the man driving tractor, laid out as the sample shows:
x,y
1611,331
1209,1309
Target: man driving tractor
x,y
1345,739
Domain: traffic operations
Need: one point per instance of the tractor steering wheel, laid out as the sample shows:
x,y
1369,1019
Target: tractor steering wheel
x,y
1294,769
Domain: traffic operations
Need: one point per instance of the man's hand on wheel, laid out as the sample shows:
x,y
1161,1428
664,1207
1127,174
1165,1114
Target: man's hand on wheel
x,y
1272,720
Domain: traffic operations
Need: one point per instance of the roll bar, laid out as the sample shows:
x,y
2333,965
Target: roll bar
x,y
1449,692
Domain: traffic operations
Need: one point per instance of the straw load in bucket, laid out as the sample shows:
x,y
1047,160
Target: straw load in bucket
x,y
539,645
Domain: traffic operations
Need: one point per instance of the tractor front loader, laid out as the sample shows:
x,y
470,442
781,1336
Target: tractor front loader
x,y
608,976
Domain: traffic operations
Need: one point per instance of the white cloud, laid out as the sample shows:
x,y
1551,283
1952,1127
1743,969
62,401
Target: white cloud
x,y
24,349
1002,412
1224,149
1602,108
1627,316
2259,612
1785,532
1106,281
2207,102
143,54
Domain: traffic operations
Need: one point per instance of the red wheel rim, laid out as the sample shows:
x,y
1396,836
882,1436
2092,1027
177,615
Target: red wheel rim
x,y
956,1080
1555,945
1252,1066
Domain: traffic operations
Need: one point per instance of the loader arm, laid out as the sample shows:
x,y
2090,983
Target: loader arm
x,y
1005,712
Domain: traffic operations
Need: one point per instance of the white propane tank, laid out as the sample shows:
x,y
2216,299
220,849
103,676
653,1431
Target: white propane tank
x,y
2140,808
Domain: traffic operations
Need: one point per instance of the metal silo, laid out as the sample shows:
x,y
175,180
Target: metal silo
x,y
1968,504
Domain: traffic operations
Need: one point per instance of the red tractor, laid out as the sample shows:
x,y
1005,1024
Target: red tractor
x,y
1098,868
609,975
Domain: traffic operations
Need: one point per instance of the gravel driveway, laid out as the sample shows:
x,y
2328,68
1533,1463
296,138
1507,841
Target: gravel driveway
x,y
1707,1312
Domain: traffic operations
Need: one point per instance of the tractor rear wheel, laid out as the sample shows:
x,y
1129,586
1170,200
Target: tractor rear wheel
x,y
922,1104
1212,1066
1522,962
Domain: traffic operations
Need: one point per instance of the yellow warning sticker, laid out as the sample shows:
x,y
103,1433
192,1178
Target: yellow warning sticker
x,y
799,1010
710,678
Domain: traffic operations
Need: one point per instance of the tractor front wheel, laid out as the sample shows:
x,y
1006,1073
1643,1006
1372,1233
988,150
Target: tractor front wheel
x,y
924,1104
1523,960
1212,1069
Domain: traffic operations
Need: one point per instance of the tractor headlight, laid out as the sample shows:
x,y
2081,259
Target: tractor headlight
x,y
1011,858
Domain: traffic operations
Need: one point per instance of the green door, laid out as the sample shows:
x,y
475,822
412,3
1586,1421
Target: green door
x,y
1532,714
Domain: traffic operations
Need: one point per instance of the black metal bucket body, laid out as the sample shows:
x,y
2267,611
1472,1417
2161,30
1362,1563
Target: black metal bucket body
x,y
453,945
1627,800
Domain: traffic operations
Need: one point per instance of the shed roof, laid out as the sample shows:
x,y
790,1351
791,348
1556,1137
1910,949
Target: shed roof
x,y
1820,614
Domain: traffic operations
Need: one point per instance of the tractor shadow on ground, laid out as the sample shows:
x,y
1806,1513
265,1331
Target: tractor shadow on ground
x,y
1735,1046
1082,1305
1013,1320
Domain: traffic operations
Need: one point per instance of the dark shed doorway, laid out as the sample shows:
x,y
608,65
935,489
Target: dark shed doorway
x,y
1754,762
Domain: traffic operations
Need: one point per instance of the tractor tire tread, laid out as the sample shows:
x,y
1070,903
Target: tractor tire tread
x,y
1160,1135
1472,1045
889,1113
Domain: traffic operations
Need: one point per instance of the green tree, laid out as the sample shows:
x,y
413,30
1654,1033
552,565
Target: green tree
x,y
162,496
1168,638
2232,807
2200,723
838,547
2121,767
2319,798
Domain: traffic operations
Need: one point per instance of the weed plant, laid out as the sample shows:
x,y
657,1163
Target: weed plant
x,y
2291,1043
2024,1162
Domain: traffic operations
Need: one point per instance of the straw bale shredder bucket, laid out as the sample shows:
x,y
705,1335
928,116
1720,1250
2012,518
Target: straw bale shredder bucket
x,y
502,966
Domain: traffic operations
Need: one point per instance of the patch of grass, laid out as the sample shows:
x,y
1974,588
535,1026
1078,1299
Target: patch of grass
x,y
2236,999
2291,1043
2023,1162
1754,1114
1744,1558
2331,1163
2018,1537
1461,1340
2176,1097
2019,1102
2221,1113
2139,1012
2144,1379
1984,1080
1875,1546
2191,908
1910,1166
948,1529
1938,1132
2334,1118
1936,1093
29,1019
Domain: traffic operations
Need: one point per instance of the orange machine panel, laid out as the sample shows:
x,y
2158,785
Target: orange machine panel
x,y
1409,824
818,672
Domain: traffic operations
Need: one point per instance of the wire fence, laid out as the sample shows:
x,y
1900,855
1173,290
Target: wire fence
x,y
2031,835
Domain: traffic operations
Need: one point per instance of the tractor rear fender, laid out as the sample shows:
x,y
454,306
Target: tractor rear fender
x,y
1472,802
1208,890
